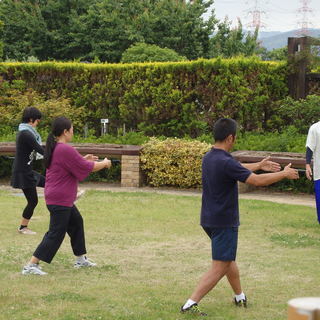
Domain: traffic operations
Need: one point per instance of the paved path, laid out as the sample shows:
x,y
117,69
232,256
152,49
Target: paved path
x,y
278,197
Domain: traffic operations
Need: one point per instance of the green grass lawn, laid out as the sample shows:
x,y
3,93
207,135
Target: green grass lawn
x,y
151,252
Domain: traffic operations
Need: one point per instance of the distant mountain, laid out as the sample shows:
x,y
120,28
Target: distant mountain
x,y
275,39
268,34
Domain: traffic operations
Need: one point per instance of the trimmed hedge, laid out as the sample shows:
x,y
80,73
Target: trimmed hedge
x,y
171,99
173,162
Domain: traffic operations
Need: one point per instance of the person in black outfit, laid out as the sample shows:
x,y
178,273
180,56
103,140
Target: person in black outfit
x,y
28,148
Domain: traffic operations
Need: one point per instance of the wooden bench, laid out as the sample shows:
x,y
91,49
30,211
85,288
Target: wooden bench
x,y
129,156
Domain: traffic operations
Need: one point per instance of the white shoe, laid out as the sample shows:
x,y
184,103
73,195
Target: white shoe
x,y
33,269
84,264
26,231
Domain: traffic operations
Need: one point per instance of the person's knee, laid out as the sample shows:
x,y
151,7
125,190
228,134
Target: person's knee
x,y
56,236
32,202
35,202
221,266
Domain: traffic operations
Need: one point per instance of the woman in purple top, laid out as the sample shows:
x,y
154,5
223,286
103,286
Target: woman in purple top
x,y
65,168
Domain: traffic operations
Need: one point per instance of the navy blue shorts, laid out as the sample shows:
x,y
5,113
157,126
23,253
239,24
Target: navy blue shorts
x,y
224,242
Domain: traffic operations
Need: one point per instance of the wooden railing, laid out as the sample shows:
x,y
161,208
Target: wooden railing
x,y
129,156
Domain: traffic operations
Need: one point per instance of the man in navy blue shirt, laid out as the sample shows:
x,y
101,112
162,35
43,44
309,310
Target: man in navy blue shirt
x,y
220,209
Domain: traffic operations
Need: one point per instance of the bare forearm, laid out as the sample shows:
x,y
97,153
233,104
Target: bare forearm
x,y
266,179
98,166
252,166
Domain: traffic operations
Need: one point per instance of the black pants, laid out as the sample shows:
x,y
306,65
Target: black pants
x,y
62,220
32,197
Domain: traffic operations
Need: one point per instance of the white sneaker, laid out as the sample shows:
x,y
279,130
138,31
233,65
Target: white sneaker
x,y
33,269
84,264
26,231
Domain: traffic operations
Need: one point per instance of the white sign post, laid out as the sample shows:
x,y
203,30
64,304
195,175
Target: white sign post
x,y
104,126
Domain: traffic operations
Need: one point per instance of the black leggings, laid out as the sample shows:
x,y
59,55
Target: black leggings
x,y
32,198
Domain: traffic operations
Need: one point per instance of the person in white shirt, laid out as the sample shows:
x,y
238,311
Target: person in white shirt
x,y
313,151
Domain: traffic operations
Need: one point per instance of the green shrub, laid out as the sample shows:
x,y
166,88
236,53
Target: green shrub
x,y
299,113
290,140
131,137
173,162
5,167
14,98
301,185
143,52
7,133
109,175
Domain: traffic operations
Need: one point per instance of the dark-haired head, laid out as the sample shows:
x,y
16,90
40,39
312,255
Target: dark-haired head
x,y
59,127
31,114
223,128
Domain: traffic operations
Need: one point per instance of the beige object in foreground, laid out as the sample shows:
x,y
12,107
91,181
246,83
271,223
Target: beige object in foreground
x,y
304,309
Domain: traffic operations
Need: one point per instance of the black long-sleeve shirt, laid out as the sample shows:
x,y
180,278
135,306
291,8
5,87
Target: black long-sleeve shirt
x,y
309,155
22,174
26,143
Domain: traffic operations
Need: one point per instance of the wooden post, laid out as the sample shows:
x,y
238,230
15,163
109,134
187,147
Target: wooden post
x,y
298,57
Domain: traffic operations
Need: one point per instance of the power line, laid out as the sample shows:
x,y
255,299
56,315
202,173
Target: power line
x,y
256,14
304,22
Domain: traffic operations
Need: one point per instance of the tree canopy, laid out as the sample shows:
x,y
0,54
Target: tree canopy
x,y
229,42
103,29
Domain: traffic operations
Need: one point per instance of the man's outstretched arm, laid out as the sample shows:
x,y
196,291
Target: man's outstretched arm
x,y
265,164
266,179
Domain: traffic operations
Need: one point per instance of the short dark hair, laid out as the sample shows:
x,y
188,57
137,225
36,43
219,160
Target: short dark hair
x,y
31,114
223,128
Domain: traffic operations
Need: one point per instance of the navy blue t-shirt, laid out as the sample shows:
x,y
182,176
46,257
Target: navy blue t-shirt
x,y
220,173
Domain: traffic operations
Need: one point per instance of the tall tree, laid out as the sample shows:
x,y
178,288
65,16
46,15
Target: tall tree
x,y
39,27
229,42
60,17
280,54
112,26
106,30
179,25
24,29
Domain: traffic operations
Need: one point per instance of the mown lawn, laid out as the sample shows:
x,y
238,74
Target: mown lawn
x,y
151,252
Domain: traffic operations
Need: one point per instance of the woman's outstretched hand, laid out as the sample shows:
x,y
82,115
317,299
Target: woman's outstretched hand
x,y
91,157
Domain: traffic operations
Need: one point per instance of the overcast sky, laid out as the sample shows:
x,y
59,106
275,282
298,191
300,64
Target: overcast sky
x,y
278,15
